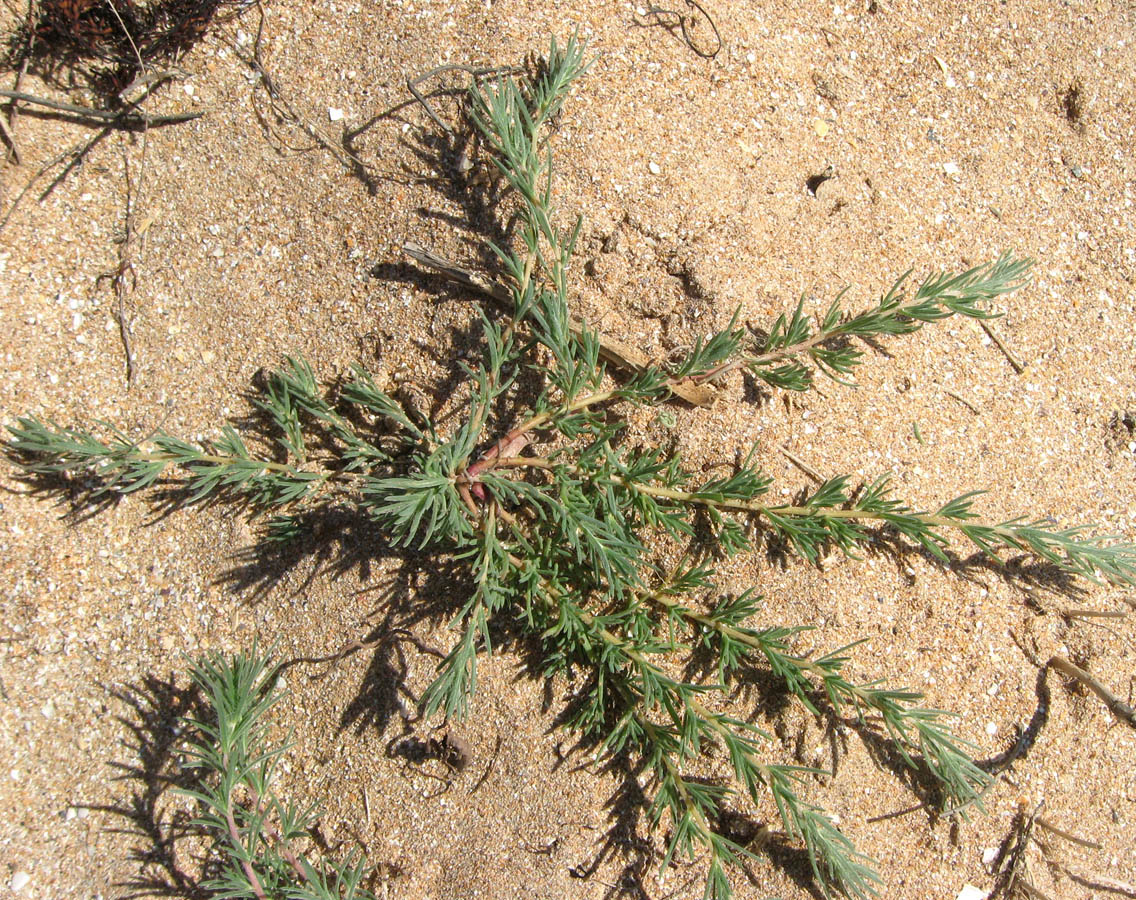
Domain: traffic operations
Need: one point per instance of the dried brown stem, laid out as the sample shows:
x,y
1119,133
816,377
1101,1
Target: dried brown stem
x,y
118,118
1118,707
283,108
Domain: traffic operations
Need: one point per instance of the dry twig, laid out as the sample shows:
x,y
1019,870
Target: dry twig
x,y
472,71
961,399
1017,364
1118,707
9,127
803,466
283,108
123,118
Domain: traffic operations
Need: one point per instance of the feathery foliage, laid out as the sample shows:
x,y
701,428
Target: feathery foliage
x,y
572,543
256,834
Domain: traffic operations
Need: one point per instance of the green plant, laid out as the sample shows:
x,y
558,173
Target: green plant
x,y
255,833
604,554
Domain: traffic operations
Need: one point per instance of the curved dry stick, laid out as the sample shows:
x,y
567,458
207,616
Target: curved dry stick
x,y
1118,707
658,12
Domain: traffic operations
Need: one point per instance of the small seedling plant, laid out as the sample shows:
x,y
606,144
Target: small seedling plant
x,y
259,837
602,553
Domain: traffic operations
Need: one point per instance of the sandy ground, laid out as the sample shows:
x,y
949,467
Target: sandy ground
x,y
955,130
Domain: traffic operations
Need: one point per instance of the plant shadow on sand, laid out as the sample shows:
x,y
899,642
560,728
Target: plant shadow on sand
x,y
168,844
104,45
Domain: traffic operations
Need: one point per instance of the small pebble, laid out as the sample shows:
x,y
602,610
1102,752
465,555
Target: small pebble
x,y
334,114
207,357
951,168
991,728
970,892
988,856
19,880
655,168
821,127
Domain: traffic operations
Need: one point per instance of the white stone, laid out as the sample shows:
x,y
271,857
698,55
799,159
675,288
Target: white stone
x,y
19,881
334,114
970,892
655,168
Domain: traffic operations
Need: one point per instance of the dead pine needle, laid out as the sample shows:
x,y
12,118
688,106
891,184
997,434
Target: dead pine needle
x,y
803,466
1062,833
961,399
474,72
1016,363
1094,614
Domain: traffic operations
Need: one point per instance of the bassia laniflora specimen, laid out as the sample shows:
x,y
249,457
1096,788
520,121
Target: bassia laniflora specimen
x,y
604,553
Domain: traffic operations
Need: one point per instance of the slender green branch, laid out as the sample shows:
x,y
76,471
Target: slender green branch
x,y
1109,557
778,361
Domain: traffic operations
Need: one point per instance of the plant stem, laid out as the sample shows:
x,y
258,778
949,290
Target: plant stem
x,y
514,441
752,506
235,837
